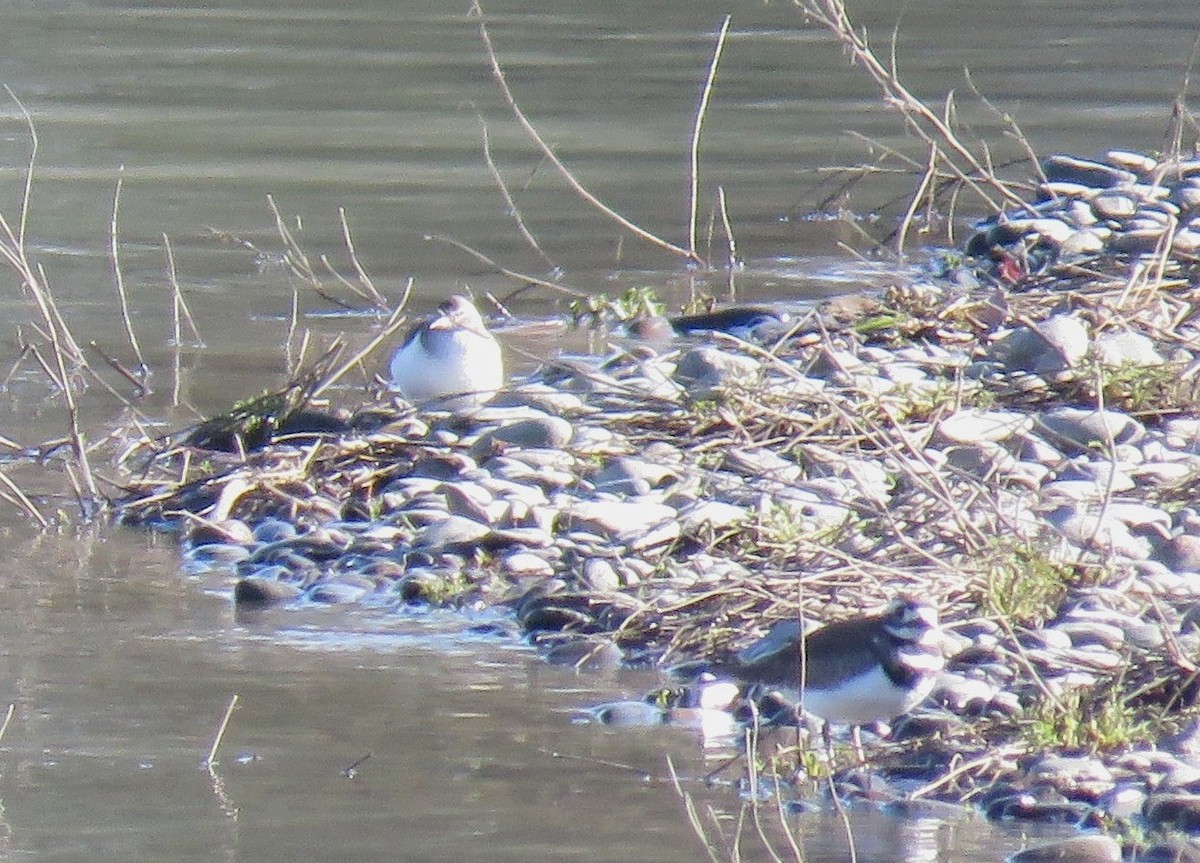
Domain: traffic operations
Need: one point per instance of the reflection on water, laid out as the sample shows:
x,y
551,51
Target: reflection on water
x,y
120,666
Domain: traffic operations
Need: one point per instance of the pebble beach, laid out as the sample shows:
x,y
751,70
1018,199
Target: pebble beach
x,y
1014,437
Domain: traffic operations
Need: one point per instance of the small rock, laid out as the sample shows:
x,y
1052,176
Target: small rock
x,y
1082,429
974,426
539,432
1115,348
704,371
263,591
453,534
1174,811
1095,848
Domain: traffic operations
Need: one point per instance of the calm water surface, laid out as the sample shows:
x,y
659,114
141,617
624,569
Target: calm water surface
x,y
121,665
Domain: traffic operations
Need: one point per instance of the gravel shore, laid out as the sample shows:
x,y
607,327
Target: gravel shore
x,y
1015,439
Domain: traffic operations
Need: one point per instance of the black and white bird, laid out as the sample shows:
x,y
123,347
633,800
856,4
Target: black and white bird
x,y
857,671
450,358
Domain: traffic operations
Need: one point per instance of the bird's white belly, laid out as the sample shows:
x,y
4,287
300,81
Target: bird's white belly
x,y
463,363
869,697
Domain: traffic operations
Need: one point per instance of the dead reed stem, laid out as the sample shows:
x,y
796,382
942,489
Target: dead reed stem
x,y
510,204
927,126
694,150
211,759
114,251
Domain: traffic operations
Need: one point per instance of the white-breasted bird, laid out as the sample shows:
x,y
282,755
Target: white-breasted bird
x,y
449,359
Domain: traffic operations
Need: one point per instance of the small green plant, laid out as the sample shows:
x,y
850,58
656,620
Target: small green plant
x,y
599,308
1139,388
1023,584
1087,720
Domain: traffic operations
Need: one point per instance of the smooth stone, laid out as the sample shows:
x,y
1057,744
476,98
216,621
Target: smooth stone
x,y
1117,347
1186,241
1180,553
761,464
627,475
1058,343
1092,632
973,425
539,432
1125,801
601,576
1095,848
1052,232
263,591
1081,215
341,591
704,371
541,397
1098,532
1074,776
1084,428
1114,205
273,530
452,533
628,714
1139,239
1186,743
1174,849
714,514
229,531
215,554
621,520
1067,335
1061,168
1027,807
1088,241
661,534
525,563
1129,160
1178,811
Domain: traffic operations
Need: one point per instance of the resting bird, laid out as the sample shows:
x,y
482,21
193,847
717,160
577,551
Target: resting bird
x,y
449,358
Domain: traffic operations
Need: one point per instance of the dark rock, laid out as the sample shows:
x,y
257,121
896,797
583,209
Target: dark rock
x,y
1177,811
1092,848
1069,169
263,591
1175,849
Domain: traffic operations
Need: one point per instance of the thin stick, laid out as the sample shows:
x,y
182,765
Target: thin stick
x,y
363,278
27,191
510,203
539,141
731,260
22,502
512,274
212,752
393,324
180,303
12,708
120,279
701,109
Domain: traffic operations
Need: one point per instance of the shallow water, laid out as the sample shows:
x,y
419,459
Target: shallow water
x,y
121,665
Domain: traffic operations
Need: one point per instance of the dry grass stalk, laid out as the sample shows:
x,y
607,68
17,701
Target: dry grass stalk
x,y
510,203
932,130
694,150
119,278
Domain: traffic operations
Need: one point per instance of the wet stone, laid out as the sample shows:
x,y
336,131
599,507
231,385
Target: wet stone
x,y
1095,848
1082,429
1061,168
453,533
263,591
1177,811
1175,849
